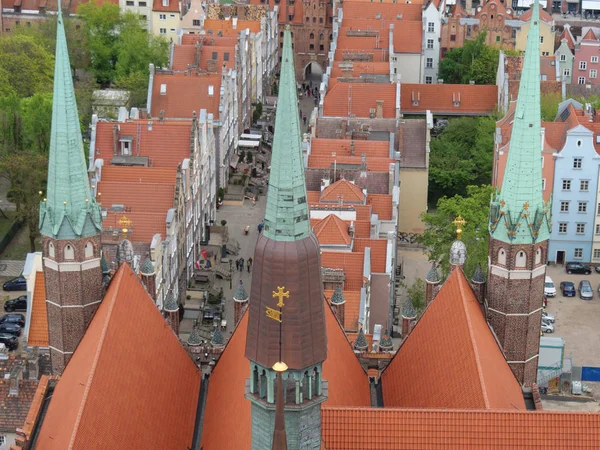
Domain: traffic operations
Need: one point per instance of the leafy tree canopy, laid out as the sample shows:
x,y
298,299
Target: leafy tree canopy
x,y
461,156
440,232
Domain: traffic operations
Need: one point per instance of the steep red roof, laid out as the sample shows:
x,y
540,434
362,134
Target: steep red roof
x,y
226,26
342,147
348,385
408,37
349,192
359,68
171,6
373,164
460,99
382,205
451,342
363,97
183,55
387,12
378,252
351,308
351,263
14,408
543,15
38,324
589,36
566,34
408,429
186,94
125,385
332,231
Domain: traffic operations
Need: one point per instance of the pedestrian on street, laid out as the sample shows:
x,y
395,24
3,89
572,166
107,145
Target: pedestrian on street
x,y
249,264
241,264
310,84
304,119
237,264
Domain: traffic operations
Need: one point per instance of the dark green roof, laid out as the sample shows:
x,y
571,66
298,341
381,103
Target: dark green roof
x,y
240,293
170,303
478,276
433,276
217,337
338,296
194,337
361,342
386,342
147,267
408,310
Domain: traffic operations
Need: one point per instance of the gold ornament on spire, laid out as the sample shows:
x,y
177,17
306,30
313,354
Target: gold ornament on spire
x,y
124,223
459,222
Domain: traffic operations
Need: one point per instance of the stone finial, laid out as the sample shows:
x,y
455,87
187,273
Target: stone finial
x,y
170,303
433,276
361,342
194,337
408,310
147,267
338,297
217,337
458,253
478,276
125,252
386,344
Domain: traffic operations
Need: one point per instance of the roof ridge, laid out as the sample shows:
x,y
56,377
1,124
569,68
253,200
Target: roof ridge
x,y
460,278
97,356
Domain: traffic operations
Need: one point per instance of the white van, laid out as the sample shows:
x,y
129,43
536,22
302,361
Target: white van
x,y
549,288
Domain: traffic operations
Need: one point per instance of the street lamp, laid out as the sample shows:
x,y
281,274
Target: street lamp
x,y
230,274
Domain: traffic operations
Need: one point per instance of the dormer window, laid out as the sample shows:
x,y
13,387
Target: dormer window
x,y
165,2
126,142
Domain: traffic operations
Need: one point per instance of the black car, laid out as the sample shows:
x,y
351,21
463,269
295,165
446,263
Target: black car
x,y
16,304
575,267
17,319
16,284
10,340
567,288
10,328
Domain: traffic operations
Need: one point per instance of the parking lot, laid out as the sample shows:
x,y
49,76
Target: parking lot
x,y
6,296
577,321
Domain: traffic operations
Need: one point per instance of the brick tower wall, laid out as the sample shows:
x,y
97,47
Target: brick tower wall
x,y
339,311
149,282
73,294
515,300
238,311
430,292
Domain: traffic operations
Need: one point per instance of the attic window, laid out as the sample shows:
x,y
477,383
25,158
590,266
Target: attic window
x,y
126,145
163,89
215,55
211,90
165,2
226,56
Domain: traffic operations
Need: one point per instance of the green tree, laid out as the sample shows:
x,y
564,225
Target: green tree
x,y
549,105
137,85
416,293
26,64
10,123
26,172
440,232
36,114
462,155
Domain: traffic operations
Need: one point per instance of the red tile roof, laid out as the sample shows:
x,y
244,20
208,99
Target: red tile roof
x,y
383,11
183,55
362,229
351,263
348,54
441,98
332,231
129,385
408,429
360,68
132,174
364,43
408,37
363,97
209,40
166,144
589,36
451,342
378,252
543,15
566,34
38,324
349,192
363,212
348,385
172,6
373,164
382,205
226,26
342,147
186,94
14,408
351,308
137,197
143,225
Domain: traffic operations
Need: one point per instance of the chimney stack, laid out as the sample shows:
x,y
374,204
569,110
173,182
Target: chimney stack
x,y
379,109
115,139
352,148
432,280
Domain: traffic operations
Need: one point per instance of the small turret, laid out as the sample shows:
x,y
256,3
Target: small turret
x,y
361,344
338,304
478,281
409,314
171,309
240,303
432,281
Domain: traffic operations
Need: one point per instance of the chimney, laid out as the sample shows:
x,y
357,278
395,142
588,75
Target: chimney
x,y
115,139
234,22
379,109
16,375
344,128
150,89
211,65
161,116
33,365
351,148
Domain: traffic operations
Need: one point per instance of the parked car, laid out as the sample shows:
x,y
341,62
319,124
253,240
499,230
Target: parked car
x,y
597,269
16,284
547,327
575,267
10,328
549,288
585,290
18,319
567,288
548,317
16,304
10,340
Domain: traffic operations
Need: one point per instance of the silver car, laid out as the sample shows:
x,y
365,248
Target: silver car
x,y
547,327
547,317
585,290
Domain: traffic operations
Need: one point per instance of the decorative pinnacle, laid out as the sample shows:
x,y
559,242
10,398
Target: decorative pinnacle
x,y
459,222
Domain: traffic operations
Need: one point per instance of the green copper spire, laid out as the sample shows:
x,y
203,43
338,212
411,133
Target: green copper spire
x,y
286,216
518,213
69,211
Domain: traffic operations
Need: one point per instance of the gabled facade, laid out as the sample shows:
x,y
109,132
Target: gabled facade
x,y
166,18
565,60
586,63
546,33
432,29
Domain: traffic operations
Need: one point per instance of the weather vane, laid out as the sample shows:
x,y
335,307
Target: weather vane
x,y
124,223
459,222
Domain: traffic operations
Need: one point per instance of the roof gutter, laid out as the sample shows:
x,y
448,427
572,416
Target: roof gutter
x,y
202,395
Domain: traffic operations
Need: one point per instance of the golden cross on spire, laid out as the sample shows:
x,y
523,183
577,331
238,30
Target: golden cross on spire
x,y
459,222
124,223
281,294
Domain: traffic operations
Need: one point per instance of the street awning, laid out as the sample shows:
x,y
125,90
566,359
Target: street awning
x,y
528,3
591,4
250,136
250,144
234,162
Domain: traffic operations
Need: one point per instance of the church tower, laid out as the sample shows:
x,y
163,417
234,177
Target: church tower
x,y
70,222
520,227
286,322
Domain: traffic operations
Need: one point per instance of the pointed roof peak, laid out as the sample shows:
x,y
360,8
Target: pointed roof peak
x,y
217,337
408,310
518,214
361,342
69,211
147,268
194,337
338,296
286,215
478,276
240,294
433,276
170,303
590,36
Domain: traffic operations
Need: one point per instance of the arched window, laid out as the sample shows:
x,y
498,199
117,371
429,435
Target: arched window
x,y
538,256
501,257
307,19
320,20
69,252
312,46
89,250
321,36
51,253
331,37
281,34
314,20
312,35
520,259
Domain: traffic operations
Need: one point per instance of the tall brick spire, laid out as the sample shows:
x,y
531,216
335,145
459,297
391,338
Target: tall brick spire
x,y
70,222
520,228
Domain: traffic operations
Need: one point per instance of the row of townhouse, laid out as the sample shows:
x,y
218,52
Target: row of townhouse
x,y
571,171
577,57
155,181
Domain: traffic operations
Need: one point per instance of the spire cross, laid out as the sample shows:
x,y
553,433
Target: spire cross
x,y
281,294
459,222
